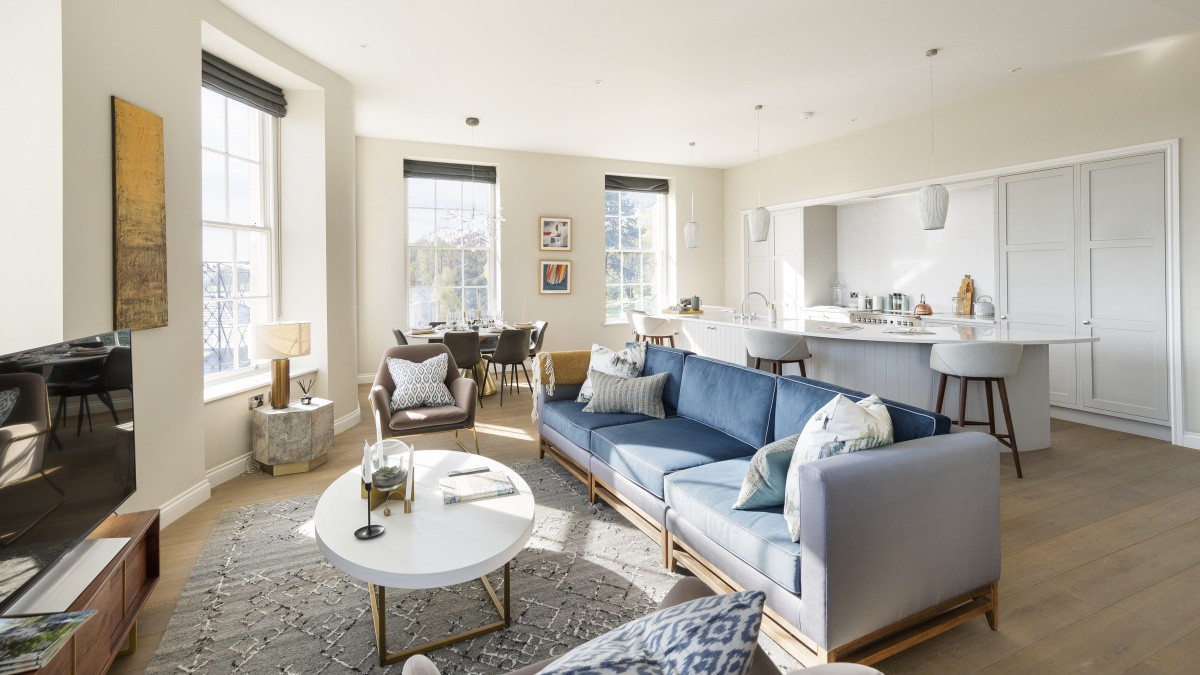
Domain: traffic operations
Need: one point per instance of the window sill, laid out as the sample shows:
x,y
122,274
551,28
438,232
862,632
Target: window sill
x,y
233,386
616,323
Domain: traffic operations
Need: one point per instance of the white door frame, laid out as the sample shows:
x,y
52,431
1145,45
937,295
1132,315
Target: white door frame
x,y
1174,301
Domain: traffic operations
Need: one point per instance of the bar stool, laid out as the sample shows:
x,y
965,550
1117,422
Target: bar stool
x,y
776,349
653,329
979,362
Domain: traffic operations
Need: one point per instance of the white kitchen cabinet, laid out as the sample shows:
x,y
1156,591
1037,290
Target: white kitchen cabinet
x,y
1081,250
796,264
716,341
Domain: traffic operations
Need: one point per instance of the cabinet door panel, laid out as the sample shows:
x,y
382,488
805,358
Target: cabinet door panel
x,y
1122,260
787,228
789,287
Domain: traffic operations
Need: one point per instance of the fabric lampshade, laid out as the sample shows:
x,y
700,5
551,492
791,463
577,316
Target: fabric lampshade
x,y
282,340
691,234
933,202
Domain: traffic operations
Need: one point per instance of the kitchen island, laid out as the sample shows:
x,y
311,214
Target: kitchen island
x,y
895,364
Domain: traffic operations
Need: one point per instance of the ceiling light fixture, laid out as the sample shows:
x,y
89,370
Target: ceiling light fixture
x,y
363,45
599,81
760,218
468,221
933,201
691,231
1014,70
806,115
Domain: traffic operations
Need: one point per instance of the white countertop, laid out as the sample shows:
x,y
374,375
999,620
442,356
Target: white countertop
x,y
965,319
873,333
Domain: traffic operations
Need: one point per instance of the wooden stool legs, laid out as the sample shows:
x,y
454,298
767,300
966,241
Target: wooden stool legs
x,y
777,366
1008,439
663,340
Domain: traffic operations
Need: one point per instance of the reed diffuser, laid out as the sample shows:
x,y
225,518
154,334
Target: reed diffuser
x,y
305,389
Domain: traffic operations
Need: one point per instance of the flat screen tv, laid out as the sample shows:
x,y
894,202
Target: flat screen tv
x,y
66,450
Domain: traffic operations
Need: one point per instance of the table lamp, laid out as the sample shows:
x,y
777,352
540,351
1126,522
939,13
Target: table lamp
x,y
279,342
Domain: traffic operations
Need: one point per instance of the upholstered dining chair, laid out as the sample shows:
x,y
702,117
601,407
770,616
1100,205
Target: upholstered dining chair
x,y
464,348
427,420
539,336
511,351
776,349
24,438
398,333
653,329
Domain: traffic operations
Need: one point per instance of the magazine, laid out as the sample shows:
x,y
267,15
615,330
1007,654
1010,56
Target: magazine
x,y
468,488
30,642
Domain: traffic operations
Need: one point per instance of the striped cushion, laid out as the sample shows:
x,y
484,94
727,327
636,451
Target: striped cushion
x,y
614,394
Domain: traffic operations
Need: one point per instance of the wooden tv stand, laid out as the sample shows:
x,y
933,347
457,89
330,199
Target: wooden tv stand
x,y
118,595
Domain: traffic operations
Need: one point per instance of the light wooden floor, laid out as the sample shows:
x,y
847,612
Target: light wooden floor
x,y
1101,551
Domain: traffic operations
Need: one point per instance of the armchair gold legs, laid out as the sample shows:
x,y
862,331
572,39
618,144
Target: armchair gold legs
x,y
464,448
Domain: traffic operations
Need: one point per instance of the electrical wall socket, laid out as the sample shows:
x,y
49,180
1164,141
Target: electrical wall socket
x,y
256,401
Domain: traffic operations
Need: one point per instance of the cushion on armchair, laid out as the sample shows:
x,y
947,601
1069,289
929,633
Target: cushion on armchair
x,y
419,384
714,635
8,401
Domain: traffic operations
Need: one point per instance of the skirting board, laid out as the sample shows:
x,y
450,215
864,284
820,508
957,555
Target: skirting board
x,y
227,470
189,499
366,378
1157,431
347,421
1191,440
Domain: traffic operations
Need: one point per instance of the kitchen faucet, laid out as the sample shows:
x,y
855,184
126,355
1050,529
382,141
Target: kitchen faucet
x,y
744,315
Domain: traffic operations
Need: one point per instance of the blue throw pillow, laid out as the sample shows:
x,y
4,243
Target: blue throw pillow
x,y
763,486
419,385
615,394
714,635
8,401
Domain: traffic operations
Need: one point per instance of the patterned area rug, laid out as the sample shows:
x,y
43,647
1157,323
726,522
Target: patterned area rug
x,y
262,598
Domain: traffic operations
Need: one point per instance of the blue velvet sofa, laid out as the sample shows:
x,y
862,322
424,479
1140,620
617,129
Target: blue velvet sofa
x,y
898,544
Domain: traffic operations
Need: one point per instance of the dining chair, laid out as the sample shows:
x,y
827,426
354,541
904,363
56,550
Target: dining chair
x,y
539,335
511,351
400,339
59,382
115,375
464,349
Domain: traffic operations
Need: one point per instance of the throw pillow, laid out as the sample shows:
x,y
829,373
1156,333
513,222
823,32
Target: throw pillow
x,y
840,427
641,395
8,401
419,385
715,635
627,363
765,479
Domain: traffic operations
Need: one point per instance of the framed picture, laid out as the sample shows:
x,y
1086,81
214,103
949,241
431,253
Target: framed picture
x,y
556,276
554,234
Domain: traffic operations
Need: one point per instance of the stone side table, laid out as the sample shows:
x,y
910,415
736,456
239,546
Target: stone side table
x,y
294,439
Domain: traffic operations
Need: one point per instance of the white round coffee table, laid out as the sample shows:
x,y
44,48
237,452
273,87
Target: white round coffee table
x,y
436,545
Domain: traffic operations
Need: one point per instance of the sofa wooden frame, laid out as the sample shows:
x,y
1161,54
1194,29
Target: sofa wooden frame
x,y
866,650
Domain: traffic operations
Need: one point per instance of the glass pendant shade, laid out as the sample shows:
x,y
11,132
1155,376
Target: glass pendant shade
x,y
691,234
760,224
933,202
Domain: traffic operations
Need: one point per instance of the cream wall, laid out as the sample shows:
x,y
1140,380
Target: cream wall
x,y
1133,98
530,185
148,53
31,174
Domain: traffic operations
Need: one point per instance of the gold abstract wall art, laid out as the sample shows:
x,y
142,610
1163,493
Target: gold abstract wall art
x,y
139,219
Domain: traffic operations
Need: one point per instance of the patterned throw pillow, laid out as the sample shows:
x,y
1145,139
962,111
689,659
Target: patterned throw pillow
x,y
714,635
419,385
627,363
641,395
840,427
763,485
8,401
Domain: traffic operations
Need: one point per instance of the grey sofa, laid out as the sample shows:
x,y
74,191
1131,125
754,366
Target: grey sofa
x,y
898,543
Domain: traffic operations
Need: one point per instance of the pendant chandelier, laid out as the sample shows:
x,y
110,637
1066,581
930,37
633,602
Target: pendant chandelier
x,y
760,218
465,220
691,231
933,201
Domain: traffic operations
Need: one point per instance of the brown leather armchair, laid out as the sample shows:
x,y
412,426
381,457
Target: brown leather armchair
x,y
430,420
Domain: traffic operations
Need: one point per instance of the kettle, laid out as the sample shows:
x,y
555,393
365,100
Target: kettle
x,y
984,307
922,309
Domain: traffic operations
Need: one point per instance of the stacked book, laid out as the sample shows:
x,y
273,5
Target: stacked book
x,y
471,487
28,643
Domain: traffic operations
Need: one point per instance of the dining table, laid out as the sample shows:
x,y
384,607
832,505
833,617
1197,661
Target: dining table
x,y
481,368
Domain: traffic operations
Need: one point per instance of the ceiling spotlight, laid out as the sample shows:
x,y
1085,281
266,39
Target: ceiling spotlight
x,y
854,120
363,45
599,81
807,115
1014,70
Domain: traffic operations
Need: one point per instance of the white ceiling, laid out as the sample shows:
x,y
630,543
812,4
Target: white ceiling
x,y
689,70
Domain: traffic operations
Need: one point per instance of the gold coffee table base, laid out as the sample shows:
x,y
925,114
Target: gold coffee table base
x,y
379,618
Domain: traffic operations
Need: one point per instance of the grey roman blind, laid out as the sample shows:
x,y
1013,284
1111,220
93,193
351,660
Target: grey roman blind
x,y
633,184
229,80
416,168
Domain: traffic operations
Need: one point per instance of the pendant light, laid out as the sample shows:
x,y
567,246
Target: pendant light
x,y
691,231
933,201
760,218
